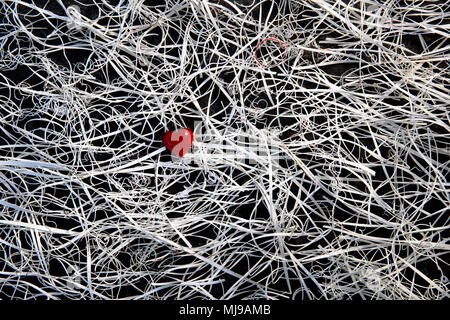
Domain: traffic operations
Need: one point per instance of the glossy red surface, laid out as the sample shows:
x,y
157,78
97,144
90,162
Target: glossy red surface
x,y
178,142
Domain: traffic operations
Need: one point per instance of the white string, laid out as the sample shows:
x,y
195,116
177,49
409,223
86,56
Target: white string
x,y
314,182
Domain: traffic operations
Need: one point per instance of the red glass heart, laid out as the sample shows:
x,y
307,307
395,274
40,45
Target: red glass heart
x,y
178,142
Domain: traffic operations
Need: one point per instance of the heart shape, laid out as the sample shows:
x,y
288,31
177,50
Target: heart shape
x,y
178,142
